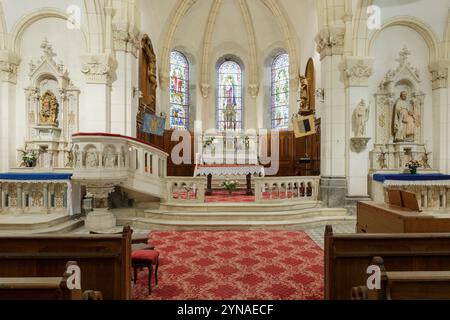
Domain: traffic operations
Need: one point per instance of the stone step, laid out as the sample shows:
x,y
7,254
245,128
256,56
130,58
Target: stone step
x,y
64,227
235,216
30,222
297,224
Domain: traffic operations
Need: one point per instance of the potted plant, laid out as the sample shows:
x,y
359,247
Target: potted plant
x,y
230,186
413,165
29,158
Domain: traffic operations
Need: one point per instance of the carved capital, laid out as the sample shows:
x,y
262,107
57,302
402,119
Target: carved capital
x,y
439,74
97,68
253,89
205,88
330,41
8,67
358,71
126,40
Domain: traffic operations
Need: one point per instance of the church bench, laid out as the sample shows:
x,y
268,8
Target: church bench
x,y
347,257
104,260
44,288
406,285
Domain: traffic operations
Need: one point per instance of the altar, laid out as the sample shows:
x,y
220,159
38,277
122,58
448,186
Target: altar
x,y
432,190
229,170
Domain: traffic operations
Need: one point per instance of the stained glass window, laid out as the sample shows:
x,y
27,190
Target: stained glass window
x,y
229,93
179,91
280,92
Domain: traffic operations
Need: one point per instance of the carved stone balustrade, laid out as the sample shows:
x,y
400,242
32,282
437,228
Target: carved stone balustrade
x,y
287,188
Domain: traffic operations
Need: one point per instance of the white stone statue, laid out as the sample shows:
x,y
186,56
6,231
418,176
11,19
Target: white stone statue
x,y
404,122
91,158
361,117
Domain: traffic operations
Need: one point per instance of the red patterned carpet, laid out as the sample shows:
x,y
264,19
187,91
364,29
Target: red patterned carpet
x,y
235,265
237,196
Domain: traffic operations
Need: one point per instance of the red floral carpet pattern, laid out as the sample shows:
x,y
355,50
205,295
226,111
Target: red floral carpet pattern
x,y
234,265
237,196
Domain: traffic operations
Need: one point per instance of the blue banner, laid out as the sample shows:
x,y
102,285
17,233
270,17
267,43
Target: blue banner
x,y
154,124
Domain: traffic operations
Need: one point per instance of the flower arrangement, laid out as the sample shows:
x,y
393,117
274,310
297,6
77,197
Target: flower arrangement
x,y
230,186
413,165
29,158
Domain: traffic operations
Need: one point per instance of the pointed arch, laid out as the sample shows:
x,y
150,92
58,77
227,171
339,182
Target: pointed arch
x,y
3,30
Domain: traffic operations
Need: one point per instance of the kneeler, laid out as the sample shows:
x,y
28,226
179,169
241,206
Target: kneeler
x,y
145,259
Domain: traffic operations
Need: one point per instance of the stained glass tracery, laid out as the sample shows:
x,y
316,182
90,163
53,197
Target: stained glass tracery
x,y
179,91
280,92
229,92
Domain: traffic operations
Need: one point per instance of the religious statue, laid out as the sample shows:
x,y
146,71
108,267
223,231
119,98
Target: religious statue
x,y
404,119
304,96
361,117
48,114
91,158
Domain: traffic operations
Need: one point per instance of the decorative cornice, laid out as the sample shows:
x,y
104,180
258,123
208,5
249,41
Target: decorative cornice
x,y
97,68
358,71
330,41
439,74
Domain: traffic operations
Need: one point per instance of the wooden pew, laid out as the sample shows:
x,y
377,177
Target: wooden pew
x,y
406,285
104,260
375,217
347,257
44,288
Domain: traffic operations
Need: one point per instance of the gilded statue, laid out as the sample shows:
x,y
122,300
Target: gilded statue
x,y
48,113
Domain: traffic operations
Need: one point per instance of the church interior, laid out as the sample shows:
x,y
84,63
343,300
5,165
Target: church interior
x,y
224,150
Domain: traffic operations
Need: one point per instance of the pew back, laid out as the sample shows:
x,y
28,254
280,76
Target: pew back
x,y
347,257
104,260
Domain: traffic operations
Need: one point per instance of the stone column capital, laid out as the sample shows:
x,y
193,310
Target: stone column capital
x,y
125,38
9,63
358,70
439,73
330,40
97,68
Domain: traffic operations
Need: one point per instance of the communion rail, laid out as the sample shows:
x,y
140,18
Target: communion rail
x,y
109,159
267,189
287,188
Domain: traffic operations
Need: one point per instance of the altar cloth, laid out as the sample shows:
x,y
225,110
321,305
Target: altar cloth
x,y
228,170
35,177
433,179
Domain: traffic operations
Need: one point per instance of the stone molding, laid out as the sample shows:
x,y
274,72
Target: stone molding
x,y
358,70
439,74
97,68
330,41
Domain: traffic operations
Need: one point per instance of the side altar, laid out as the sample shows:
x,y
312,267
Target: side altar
x,y
399,139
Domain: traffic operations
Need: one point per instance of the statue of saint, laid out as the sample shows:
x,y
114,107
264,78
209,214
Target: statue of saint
x,y
404,122
304,95
48,114
361,117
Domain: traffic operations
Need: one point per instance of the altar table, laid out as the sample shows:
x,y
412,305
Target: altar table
x,y
229,170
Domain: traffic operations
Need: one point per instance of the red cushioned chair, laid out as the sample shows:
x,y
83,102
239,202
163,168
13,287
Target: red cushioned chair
x,y
145,259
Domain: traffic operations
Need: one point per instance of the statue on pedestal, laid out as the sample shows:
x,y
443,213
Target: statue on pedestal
x,y
361,117
48,113
404,122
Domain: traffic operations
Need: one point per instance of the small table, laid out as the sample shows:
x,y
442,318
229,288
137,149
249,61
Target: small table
x,y
211,170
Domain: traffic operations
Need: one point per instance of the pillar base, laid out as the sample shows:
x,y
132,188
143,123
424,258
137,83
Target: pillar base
x,y
100,220
351,202
333,191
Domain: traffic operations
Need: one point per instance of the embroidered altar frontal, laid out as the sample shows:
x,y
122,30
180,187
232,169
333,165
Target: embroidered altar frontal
x,y
228,170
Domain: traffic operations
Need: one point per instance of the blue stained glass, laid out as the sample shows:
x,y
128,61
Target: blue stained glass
x,y
179,91
280,92
229,92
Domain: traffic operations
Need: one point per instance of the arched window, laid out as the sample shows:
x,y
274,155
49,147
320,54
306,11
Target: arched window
x,y
280,92
229,84
179,91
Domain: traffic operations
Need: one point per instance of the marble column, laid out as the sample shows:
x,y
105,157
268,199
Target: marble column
x,y
330,44
357,73
441,115
45,187
19,198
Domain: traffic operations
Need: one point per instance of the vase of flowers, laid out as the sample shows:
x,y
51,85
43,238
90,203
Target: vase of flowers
x,y
413,165
230,186
29,158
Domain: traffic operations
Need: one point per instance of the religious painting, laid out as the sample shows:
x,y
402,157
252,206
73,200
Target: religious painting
x,y
280,92
229,105
179,91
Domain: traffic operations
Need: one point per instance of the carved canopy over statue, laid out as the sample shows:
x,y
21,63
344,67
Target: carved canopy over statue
x,y
48,112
